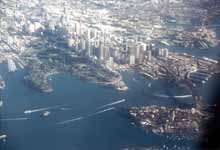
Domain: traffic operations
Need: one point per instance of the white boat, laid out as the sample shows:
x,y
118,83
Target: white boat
x,y
1,103
46,114
2,83
165,42
3,137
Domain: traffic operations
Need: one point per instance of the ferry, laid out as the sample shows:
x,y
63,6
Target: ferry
x,y
165,42
124,88
1,103
2,83
3,136
46,114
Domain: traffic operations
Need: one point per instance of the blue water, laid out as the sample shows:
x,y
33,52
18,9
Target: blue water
x,y
107,131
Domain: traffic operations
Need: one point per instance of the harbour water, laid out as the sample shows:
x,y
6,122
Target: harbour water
x,y
78,101
107,130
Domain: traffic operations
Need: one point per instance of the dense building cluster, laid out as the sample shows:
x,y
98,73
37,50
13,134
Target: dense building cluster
x,y
96,39
113,32
183,123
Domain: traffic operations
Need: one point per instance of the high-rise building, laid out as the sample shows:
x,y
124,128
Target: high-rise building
x,y
51,25
106,52
89,48
83,44
97,43
160,52
76,46
137,51
166,52
95,33
126,47
111,62
149,55
149,46
88,34
77,28
71,42
62,20
132,60
143,47
101,51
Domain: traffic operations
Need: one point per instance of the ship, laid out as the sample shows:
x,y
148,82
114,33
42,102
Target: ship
x,y
1,103
46,114
3,136
165,42
2,83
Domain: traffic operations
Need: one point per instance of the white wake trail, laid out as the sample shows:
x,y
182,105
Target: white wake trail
x,y
113,103
41,109
14,119
100,112
80,118
175,96
69,121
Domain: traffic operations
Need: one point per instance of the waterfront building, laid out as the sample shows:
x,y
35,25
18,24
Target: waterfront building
x,y
11,65
163,52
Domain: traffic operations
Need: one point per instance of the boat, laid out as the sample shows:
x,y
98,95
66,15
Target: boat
x,y
2,83
165,42
1,103
3,136
46,114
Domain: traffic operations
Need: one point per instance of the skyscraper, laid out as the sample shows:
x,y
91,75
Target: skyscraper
x,y
132,60
89,48
101,51
88,34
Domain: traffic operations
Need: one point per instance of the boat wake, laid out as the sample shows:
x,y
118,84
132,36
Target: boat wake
x,y
100,112
111,104
41,109
14,119
81,118
167,96
69,121
65,108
